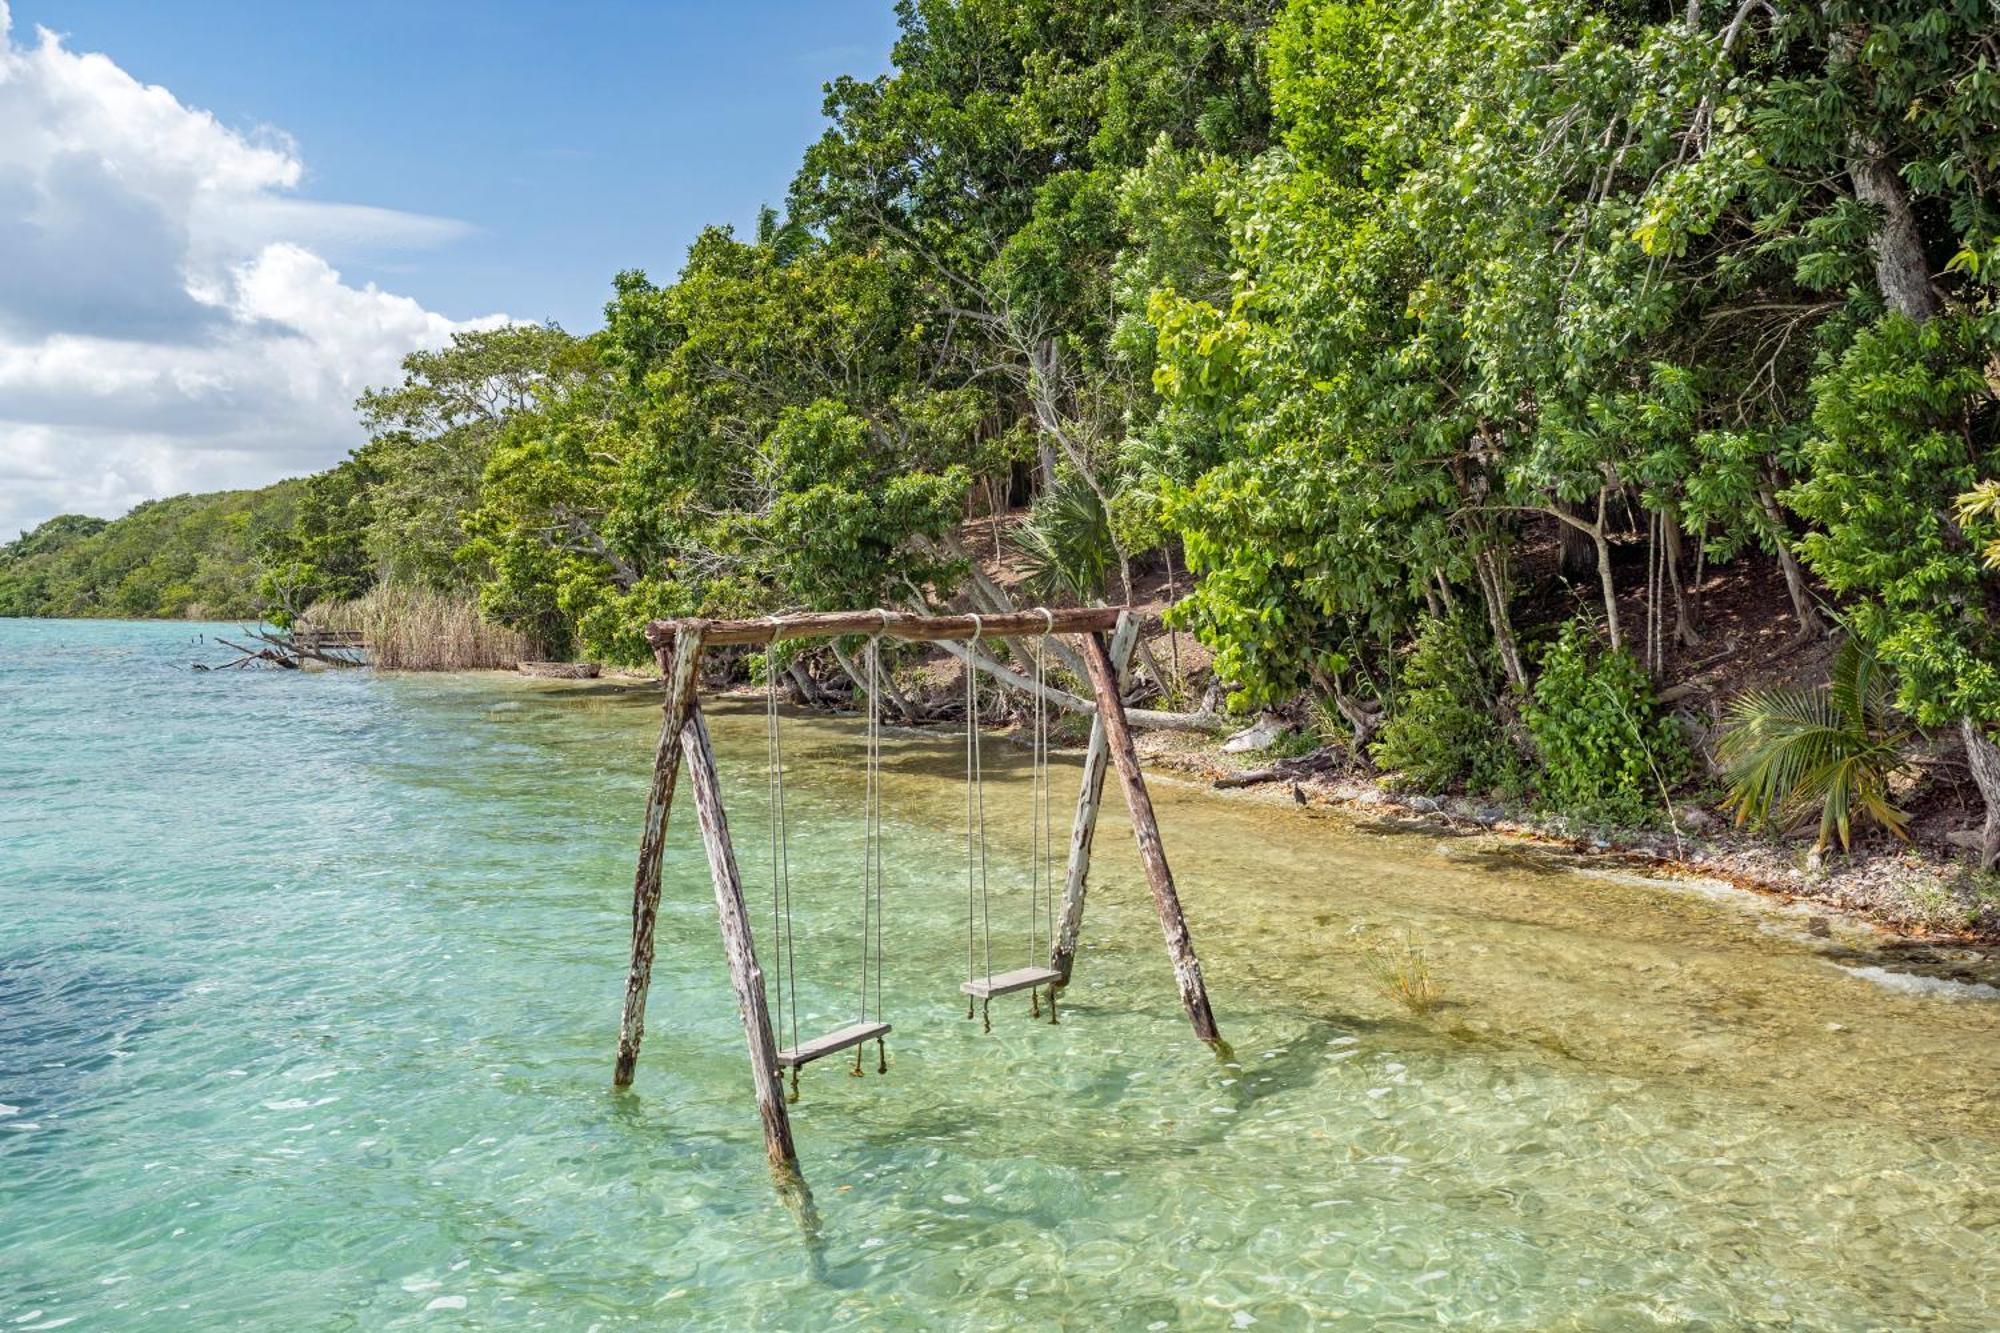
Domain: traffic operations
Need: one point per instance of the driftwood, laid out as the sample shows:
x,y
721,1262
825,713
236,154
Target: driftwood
x,y
272,656
892,624
1145,718
297,651
1319,761
1146,831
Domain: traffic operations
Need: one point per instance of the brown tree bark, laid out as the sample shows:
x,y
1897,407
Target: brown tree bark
x,y
1493,591
1684,629
1902,270
1984,757
1795,579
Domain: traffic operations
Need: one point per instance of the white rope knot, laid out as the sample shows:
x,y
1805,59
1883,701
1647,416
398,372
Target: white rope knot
x,y
978,627
1048,621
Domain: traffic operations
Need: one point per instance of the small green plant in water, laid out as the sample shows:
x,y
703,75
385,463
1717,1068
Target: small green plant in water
x,y
1402,973
1790,754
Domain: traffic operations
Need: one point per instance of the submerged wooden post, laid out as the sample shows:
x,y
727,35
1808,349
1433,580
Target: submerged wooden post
x,y
1062,949
677,666
1118,741
734,916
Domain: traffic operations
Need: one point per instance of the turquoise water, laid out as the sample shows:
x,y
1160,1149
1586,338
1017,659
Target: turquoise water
x,y
309,988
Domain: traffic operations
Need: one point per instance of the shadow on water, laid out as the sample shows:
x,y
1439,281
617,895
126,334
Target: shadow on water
x,y
1515,861
721,1154
65,1017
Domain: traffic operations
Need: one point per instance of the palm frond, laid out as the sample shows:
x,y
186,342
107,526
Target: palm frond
x,y
1065,544
1790,753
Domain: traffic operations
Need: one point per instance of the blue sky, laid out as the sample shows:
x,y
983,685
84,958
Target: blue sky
x,y
221,221
575,139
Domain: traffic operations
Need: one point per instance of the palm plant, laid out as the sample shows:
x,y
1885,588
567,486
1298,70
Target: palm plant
x,y
1789,752
1066,544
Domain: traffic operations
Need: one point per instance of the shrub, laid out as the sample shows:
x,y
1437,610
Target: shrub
x,y
1791,754
1608,752
1444,727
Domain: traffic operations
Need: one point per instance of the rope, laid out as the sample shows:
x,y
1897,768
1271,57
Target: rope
x,y
1041,865
783,959
873,817
871,830
975,821
1041,881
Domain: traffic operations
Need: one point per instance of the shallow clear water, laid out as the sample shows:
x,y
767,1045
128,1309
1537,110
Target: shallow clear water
x,y
309,991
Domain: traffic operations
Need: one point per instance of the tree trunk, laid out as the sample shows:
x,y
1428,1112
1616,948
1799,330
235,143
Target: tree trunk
x,y
1147,719
995,598
1901,269
1151,664
1795,579
1576,556
1493,589
1606,582
897,699
1364,718
808,688
1684,629
1984,757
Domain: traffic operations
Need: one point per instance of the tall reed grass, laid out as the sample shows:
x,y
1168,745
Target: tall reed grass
x,y
416,629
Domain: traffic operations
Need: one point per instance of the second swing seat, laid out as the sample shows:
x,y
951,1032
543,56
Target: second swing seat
x,y
851,1035
1006,983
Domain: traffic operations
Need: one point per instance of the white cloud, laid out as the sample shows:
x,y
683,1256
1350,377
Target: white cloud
x,y
168,320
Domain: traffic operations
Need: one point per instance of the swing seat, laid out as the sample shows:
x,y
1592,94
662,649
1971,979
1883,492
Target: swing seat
x,y
853,1034
1006,983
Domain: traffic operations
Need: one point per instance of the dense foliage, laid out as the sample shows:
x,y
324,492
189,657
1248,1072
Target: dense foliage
x,y
190,556
1445,728
1607,751
1402,321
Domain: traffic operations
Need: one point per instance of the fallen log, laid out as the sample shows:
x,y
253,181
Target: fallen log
x,y
1299,766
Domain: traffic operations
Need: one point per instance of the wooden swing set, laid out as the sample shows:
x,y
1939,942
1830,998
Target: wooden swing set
x,y
678,646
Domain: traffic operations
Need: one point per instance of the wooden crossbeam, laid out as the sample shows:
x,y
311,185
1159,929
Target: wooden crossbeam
x,y
893,625
1006,983
851,1035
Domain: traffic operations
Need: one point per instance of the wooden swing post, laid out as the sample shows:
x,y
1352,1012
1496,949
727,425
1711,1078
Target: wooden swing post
x,y
734,916
1069,925
1146,829
678,667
